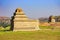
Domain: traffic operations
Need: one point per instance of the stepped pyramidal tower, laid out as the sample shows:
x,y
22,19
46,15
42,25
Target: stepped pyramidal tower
x,y
20,22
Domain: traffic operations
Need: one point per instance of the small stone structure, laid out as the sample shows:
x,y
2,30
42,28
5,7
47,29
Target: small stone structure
x,y
20,22
52,19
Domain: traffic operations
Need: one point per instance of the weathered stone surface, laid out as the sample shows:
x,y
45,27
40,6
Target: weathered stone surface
x,y
22,23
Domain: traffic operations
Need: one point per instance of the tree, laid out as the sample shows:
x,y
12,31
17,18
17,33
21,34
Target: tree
x,y
4,24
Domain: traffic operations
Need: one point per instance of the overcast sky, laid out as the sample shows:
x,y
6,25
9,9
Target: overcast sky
x,y
32,8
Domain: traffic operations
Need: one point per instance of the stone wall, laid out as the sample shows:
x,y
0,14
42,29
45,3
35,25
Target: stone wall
x,y
26,26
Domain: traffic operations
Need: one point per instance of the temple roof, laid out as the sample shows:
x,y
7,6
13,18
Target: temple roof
x,y
18,10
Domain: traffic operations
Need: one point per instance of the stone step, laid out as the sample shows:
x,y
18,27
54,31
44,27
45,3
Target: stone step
x,y
25,20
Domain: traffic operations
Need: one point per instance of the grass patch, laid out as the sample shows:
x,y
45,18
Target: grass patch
x,y
46,27
31,35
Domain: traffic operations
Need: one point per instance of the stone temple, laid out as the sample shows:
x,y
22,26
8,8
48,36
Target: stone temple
x,y
20,22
